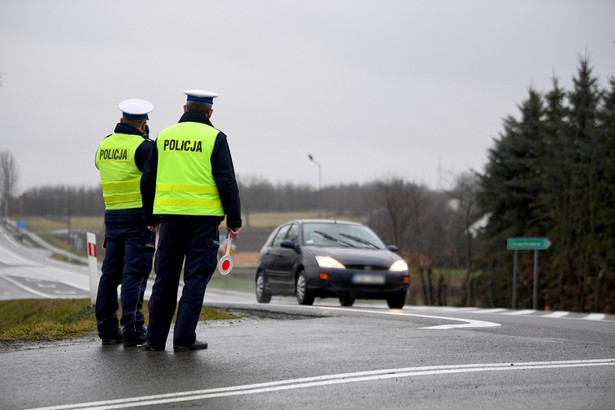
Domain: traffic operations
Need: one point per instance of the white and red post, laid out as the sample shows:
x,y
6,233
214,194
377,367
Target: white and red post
x,y
93,264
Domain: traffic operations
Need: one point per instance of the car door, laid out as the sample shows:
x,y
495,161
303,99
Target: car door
x,y
270,260
287,260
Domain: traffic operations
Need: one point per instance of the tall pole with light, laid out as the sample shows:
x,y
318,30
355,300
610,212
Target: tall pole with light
x,y
319,180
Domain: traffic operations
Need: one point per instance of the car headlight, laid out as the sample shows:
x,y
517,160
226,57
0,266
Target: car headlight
x,y
329,262
399,266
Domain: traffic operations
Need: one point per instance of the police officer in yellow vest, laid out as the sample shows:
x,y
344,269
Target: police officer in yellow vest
x,y
188,187
120,159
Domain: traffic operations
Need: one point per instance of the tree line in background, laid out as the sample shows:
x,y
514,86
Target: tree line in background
x,y
429,227
551,173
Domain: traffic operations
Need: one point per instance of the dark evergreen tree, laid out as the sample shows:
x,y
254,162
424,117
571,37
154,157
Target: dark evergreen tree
x,y
554,202
604,257
509,187
584,100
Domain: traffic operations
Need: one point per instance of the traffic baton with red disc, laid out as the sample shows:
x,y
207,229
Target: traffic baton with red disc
x,y
225,264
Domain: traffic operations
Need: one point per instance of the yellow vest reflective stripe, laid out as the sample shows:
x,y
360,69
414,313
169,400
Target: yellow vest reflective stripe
x,y
184,182
119,175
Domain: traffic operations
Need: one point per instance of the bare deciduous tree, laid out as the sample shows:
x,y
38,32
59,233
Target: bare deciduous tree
x,y
405,214
252,189
394,195
8,179
466,213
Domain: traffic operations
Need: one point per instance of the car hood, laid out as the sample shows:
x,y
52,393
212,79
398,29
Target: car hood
x,y
350,256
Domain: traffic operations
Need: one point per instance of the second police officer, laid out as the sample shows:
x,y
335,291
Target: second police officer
x,y
120,159
188,188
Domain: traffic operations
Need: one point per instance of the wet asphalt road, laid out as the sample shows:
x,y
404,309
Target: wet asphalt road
x,y
283,356
327,357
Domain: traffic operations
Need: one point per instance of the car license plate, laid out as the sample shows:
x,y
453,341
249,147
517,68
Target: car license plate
x,y
368,279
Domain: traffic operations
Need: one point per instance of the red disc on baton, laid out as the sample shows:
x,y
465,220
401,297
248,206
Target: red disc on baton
x,y
225,264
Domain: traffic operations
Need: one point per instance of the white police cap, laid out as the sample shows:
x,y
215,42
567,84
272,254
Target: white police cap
x,y
136,109
201,96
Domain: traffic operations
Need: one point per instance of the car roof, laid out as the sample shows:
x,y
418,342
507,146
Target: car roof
x,y
330,221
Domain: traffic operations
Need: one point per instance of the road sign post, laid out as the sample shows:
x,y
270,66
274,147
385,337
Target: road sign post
x,y
535,294
526,244
93,264
515,279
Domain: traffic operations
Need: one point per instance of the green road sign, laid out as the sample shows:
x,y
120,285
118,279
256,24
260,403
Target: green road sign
x,y
527,244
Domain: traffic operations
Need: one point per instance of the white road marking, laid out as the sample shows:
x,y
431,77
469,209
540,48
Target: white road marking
x,y
595,316
26,288
64,292
520,312
557,313
21,259
493,310
467,323
332,379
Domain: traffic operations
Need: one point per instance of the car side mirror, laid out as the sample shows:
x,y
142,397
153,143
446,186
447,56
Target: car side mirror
x,y
287,243
393,248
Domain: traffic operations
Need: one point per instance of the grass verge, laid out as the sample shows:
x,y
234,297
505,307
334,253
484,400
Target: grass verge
x,y
240,279
28,320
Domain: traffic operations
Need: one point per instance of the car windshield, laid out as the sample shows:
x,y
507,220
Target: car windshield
x,y
341,235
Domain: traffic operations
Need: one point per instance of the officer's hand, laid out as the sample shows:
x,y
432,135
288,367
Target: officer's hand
x,y
233,232
153,228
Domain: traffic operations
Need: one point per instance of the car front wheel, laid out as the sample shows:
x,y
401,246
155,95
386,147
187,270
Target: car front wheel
x,y
262,296
346,301
304,297
397,301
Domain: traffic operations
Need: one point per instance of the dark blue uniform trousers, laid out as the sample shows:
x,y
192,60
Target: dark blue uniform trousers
x,y
128,262
192,241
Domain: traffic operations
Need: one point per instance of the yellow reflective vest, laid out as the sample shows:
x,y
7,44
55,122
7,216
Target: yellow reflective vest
x,y
119,175
184,182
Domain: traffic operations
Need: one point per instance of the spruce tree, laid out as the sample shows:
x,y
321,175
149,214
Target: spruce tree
x,y
604,257
584,100
554,202
509,188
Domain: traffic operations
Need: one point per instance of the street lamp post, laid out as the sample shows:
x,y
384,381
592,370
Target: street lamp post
x,y
319,180
319,170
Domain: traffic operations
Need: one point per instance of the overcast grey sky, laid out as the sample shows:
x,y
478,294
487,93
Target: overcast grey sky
x,y
371,89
